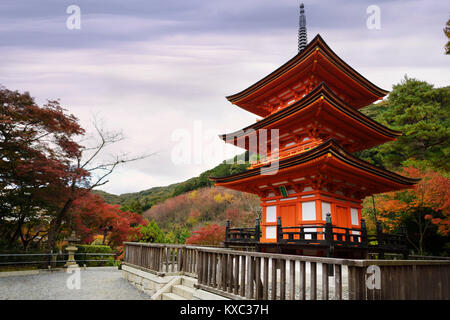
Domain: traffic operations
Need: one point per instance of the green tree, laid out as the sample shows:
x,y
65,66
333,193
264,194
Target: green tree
x,y
133,206
179,235
422,113
151,233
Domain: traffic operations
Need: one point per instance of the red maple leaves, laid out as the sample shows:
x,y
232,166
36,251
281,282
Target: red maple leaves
x,y
93,216
212,234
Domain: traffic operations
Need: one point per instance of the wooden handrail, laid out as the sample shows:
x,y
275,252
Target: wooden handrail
x,y
248,236
286,153
253,275
329,237
344,262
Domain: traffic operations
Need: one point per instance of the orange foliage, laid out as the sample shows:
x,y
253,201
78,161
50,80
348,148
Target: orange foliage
x,y
209,235
432,192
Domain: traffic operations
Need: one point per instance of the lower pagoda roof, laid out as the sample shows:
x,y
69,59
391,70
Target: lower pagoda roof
x,y
337,168
324,107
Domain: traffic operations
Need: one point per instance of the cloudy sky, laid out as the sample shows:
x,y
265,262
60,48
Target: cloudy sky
x,y
159,70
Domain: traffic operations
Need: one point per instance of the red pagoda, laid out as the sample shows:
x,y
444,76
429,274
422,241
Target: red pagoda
x,y
312,101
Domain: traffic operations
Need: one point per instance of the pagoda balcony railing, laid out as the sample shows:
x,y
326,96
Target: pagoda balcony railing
x,y
242,236
322,234
382,242
325,234
286,153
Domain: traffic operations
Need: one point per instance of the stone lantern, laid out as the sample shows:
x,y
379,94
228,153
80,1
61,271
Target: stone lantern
x,y
71,249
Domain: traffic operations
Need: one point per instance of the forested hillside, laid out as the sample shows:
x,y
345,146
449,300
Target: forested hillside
x,y
144,200
205,206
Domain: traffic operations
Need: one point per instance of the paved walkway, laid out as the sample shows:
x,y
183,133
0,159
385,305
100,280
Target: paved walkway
x,y
91,284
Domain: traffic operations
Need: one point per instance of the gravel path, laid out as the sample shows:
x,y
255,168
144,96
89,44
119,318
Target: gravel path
x,y
94,284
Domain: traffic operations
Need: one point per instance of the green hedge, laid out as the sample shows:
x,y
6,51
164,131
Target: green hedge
x,y
86,248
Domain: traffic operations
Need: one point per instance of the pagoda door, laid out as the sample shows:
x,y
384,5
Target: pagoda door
x,y
288,215
341,219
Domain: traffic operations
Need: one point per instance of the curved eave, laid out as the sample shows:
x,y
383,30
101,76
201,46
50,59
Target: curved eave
x,y
328,147
317,42
321,90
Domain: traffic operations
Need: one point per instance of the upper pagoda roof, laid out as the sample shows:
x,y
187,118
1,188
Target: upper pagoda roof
x,y
331,159
324,107
316,60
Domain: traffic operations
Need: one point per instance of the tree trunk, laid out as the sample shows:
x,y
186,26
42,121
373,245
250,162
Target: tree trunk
x,y
55,225
24,241
374,210
105,233
17,232
421,231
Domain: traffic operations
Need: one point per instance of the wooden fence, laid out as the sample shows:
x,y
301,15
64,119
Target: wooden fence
x,y
255,275
12,261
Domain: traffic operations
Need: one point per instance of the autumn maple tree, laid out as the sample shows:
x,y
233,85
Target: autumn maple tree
x,y
44,169
37,147
425,205
93,216
212,234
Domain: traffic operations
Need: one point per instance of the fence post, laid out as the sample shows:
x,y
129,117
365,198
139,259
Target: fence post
x,y
329,240
328,229
257,234
279,234
404,234
380,240
379,230
182,258
279,231
227,233
363,232
53,258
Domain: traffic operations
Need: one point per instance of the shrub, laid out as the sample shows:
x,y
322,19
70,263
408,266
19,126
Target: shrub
x,y
209,235
99,249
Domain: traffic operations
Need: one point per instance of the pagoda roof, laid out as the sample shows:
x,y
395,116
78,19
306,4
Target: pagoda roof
x,y
324,106
329,158
317,58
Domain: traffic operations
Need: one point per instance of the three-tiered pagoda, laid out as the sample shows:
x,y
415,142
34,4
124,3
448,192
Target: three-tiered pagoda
x,y
313,101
